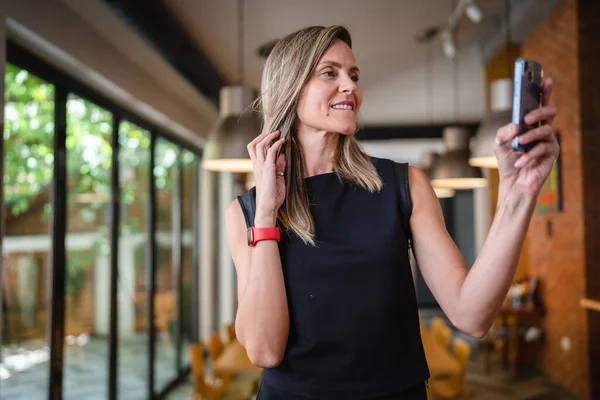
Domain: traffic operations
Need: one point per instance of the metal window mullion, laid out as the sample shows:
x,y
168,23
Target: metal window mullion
x,y
195,273
176,257
151,263
58,225
113,339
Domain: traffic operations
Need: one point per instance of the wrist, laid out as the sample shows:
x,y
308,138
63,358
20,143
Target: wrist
x,y
512,201
265,219
509,188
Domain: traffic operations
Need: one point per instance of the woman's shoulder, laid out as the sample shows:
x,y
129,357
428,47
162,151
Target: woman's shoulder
x,y
389,168
377,161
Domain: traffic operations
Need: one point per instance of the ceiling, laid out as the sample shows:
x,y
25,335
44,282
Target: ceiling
x,y
383,30
392,62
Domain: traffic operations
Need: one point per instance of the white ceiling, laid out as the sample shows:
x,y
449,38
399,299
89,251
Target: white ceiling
x,y
392,63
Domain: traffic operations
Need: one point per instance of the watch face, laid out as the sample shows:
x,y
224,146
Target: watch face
x,y
249,235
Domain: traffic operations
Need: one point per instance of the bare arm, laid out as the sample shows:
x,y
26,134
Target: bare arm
x,y
262,321
470,299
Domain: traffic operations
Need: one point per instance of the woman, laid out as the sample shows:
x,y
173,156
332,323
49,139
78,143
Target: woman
x,y
328,308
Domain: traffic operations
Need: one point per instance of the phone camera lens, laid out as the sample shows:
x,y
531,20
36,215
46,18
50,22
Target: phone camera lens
x,y
530,76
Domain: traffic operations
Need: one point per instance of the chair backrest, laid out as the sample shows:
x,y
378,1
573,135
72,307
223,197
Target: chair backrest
x,y
197,366
441,331
230,332
215,346
462,351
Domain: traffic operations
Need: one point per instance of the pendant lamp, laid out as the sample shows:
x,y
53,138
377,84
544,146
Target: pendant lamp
x,y
500,108
237,125
500,115
452,169
429,158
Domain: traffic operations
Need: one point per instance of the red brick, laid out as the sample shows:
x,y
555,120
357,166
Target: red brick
x,y
560,260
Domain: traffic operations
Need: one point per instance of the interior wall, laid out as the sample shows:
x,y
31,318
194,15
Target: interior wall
x,y
464,224
58,35
556,240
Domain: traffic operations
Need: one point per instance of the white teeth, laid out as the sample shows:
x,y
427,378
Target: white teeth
x,y
342,107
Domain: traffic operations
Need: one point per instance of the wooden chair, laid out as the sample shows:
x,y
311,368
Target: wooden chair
x,y
441,331
215,346
230,332
203,390
454,386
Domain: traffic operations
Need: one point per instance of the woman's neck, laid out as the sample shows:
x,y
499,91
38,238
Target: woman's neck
x,y
318,149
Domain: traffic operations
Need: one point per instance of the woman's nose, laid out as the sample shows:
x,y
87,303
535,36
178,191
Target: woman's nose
x,y
348,85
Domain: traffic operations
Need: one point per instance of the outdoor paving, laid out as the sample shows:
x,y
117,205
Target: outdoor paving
x,y
86,374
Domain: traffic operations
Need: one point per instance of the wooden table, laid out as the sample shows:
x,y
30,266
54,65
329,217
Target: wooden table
x,y
234,360
441,362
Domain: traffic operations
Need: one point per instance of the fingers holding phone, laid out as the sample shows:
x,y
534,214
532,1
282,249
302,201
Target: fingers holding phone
x,y
527,100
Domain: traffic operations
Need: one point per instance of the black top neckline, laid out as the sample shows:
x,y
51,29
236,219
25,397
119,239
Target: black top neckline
x,y
324,174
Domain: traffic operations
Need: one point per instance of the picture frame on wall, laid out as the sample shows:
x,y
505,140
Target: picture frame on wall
x,y
550,199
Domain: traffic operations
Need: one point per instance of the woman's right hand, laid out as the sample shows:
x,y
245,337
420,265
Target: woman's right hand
x,y
269,177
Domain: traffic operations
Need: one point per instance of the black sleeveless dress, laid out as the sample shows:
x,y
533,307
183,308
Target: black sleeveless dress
x,y
354,325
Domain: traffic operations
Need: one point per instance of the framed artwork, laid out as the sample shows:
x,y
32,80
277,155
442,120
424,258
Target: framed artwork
x,y
550,199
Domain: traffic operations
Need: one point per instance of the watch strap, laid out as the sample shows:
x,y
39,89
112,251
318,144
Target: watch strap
x,y
255,235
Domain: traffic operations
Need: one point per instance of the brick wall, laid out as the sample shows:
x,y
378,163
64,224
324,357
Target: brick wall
x,y
556,241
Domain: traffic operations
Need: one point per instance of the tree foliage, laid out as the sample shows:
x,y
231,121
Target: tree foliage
x,y
29,155
28,137
29,160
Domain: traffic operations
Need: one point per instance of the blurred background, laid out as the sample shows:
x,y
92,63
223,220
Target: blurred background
x,y
120,157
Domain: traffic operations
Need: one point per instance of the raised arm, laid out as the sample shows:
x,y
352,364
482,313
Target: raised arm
x,y
472,298
262,319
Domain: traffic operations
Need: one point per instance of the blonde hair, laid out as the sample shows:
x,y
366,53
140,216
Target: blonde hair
x,y
287,69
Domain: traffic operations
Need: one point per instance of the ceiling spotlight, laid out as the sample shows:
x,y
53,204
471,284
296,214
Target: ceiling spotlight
x,y
448,44
474,12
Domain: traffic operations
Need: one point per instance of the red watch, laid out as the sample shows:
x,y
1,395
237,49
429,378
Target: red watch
x,y
255,235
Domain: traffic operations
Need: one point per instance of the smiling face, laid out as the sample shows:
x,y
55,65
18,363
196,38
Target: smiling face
x,y
331,98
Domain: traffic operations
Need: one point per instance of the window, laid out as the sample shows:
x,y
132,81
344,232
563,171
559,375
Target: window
x,y
32,102
89,152
28,171
134,161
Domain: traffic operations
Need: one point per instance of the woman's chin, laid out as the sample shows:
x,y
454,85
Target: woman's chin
x,y
346,129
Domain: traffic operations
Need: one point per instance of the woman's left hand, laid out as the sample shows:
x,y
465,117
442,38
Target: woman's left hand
x,y
527,172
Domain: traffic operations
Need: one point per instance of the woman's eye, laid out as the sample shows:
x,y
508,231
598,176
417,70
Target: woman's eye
x,y
329,73
355,78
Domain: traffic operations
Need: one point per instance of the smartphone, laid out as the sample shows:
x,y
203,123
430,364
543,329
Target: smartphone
x,y
527,96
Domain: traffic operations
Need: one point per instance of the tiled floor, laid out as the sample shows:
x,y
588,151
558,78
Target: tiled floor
x,y
500,384
24,371
503,385
497,385
85,378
